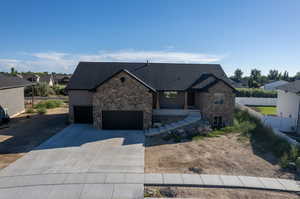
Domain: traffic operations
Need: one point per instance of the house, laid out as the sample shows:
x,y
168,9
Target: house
x,y
273,85
61,79
121,95
48,79
242,84
12,94
288,103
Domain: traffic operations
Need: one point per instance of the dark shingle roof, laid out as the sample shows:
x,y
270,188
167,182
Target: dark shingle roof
x,y
9,81
46,78
293,87
160,76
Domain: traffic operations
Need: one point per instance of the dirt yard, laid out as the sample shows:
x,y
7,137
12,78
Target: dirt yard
x,y
218,155
213,193
27,131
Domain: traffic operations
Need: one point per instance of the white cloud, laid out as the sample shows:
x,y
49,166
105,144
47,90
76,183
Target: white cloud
x,y
66,62
50,55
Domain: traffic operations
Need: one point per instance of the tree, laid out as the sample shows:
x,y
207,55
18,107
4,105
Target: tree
x,y
273,75
286,76
255,78
297,76
13,71
238,75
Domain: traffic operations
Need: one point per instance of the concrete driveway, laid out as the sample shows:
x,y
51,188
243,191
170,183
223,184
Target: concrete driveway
x,y
78,162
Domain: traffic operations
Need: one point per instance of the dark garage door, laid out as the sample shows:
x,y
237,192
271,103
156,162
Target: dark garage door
x,y
122,120
83,114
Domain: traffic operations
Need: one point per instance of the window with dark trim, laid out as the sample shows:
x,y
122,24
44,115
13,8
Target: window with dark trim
x,y
219,98
170,94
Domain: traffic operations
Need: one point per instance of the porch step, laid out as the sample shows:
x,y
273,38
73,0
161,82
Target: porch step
x,y
168,127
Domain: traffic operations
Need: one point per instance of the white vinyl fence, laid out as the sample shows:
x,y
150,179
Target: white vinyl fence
x,y
256,101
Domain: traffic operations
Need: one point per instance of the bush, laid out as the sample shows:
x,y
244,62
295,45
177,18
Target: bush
x,y
256,92
298,163
40,89
41,110
284,160
49,104
30,110
59,89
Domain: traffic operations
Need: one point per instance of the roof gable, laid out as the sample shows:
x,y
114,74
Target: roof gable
x,y
206,81
128,73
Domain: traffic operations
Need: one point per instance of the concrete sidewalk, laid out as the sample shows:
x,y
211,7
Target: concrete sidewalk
x,y
188,180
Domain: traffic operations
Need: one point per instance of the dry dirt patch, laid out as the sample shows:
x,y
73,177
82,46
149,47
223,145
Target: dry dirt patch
x,y
28,131
219,193
218,155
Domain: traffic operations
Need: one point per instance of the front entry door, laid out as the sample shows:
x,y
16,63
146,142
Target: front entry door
x,y
191,98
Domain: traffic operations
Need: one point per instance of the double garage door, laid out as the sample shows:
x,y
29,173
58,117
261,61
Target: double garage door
x,y
117,120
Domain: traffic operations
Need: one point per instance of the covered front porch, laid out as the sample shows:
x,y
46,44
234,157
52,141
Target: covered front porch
x,y
179,100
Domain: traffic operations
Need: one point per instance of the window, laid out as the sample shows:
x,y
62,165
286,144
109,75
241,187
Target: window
x,y
170,94
122,79
218,98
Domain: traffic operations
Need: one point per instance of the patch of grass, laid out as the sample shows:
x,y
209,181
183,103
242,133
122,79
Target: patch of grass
x,y
42,110
242,127
266,110
49,104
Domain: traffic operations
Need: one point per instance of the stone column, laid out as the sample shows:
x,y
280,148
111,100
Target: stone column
x,y
157,101
185,100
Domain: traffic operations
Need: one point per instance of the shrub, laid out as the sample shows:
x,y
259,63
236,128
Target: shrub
x,y
49,104
59,89
30,110
256,92
284,160
282,148
294,152
298,163
43,89
41,110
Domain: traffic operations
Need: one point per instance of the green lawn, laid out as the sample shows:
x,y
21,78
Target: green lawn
x,y
266,110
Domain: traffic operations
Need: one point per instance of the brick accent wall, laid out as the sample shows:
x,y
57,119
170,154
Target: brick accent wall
x,y
205,101
129,95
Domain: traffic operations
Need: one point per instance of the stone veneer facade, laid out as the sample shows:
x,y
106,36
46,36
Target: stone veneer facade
x,y
205,101
129,95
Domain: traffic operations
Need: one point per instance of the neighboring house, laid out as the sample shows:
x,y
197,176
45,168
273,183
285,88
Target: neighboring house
x,y
61,79
241,84
114,95
48,79
288,103
12,94
273,85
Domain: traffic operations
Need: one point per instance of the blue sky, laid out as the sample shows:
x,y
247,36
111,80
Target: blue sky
x,y
54,35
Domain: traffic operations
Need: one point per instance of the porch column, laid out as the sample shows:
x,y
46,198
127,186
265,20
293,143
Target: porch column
x,y
185,100
157,101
